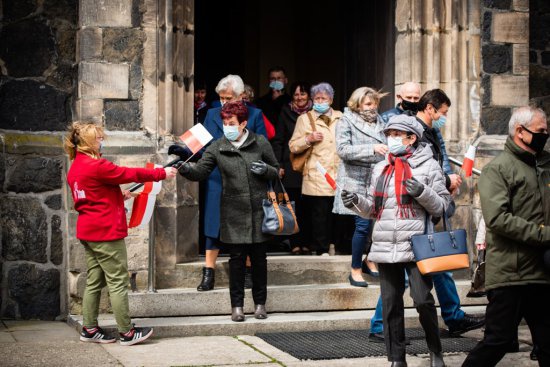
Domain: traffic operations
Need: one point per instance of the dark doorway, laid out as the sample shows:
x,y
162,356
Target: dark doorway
x,y
346,43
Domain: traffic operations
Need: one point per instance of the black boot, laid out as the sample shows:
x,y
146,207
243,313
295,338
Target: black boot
x,y
208,278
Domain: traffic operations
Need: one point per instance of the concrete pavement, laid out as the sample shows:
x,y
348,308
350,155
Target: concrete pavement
x,y
42,343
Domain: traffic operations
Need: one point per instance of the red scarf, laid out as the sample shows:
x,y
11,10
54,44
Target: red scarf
x,y
400,166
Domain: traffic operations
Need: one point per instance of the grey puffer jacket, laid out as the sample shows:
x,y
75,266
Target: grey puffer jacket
x,y
391,234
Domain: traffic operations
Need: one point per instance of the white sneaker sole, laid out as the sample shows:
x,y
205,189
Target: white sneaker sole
x,y
136,341
100,341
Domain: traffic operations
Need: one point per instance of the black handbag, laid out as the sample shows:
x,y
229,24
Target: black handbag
x,y
279,213
438,252
478,278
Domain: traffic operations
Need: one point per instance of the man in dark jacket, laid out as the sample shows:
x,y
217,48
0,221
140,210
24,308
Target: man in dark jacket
x,y
272,102
514,189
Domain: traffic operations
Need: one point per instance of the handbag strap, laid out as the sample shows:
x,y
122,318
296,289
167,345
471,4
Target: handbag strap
x,y
311,121
429,227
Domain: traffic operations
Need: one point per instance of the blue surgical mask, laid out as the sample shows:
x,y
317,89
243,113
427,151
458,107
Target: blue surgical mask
x,y
277,85
231,132
321,107
395,145
439,122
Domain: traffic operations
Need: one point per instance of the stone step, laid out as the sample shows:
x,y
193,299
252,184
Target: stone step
x,y
165,327
282,298
281,270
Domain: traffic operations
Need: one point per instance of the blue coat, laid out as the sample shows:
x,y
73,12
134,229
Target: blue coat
x,y
213,187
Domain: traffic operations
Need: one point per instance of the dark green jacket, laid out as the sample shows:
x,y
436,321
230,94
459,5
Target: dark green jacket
x,y
241,212
514,189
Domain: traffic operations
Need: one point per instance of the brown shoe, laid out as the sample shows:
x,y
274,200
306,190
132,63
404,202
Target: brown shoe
x,y
260,312
237,314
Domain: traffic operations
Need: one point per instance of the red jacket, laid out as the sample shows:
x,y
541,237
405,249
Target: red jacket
x,y
98,198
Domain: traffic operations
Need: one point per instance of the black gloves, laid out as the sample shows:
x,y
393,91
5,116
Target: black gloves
x,y
183,152
349,198
259,168
184,168
413,187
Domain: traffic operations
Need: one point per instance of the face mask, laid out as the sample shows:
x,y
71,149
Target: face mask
x,y
231,132
409,106
395,145
439,122
277,85
538,140
321,107
369,115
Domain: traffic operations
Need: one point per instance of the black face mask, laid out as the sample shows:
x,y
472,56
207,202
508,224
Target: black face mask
x,y
538,140
409,106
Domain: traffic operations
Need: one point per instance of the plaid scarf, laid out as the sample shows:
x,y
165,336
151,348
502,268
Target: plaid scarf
x,y
400,166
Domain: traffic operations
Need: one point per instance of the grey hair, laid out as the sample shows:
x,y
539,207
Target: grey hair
x,y
233,82
523,116
322,88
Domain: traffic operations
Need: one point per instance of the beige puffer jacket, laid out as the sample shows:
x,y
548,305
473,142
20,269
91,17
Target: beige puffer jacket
x,y
391,234
324,152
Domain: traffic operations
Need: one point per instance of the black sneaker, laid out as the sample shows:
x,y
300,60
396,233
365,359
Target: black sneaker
x,y
469,322
95,335
136,335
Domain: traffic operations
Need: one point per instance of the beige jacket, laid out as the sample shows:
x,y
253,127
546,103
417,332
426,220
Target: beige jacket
x,y
324,152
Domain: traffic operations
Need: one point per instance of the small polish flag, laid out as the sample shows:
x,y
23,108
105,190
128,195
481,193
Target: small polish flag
x,y
196,138
468,163
144,203
324,172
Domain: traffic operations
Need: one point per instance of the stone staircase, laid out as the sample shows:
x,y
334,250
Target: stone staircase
x,y
304,293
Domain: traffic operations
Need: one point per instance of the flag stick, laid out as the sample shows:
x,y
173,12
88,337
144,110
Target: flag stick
x,y
356,207
176,163
459,163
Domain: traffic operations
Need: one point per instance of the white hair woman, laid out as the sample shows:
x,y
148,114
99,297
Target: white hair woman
x,y
230,88
316,130
360,143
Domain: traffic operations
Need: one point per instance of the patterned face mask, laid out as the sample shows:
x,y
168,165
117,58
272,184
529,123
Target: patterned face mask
x,y
369,116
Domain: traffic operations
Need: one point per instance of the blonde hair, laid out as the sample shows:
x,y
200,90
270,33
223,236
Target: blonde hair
x,y
359,94
82,137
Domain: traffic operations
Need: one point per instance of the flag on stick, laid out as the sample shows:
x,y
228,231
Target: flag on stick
x,y
324,172
144,203
196,138
468,163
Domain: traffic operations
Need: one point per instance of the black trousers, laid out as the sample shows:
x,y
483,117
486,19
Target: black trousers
x,y
392,287
320,217
507,306
300,239
237,265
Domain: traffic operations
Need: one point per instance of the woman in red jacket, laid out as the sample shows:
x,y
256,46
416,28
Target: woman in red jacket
x,y
101,228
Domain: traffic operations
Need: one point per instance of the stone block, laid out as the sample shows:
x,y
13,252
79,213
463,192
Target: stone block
x,y
122,44
122,115
509,90
56,241
486,26
105,13
89,110
485,90
98,80
149,17
77,258
510,27
29,105
35,291
24,229
53,202
403,71
27,48
520,5
138,251
89,43
65,40
402,15
497,58
520,58
539,85
63,76
494,120
45,144
63,9
37,174
136,81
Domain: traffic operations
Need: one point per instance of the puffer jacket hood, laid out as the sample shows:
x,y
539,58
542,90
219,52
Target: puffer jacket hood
x,y
391,234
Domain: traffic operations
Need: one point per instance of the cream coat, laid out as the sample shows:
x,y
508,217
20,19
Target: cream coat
x,y
324,152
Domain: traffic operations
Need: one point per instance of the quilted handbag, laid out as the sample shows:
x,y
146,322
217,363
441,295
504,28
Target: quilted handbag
x,y
438,252
279,215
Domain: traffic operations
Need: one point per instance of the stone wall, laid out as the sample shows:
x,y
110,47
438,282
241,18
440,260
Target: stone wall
x,y
539,54
37,83
505,68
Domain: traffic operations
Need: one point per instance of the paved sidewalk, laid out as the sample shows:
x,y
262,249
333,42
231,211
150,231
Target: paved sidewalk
x,y
41,343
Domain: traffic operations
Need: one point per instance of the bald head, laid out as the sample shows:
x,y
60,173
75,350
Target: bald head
x,y
409,91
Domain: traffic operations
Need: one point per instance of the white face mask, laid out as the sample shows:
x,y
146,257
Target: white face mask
x,y
395,145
